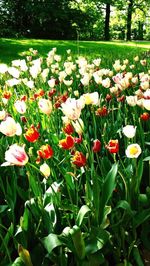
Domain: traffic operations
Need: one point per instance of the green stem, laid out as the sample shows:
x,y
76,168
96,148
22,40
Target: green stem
x,y
7,251
125,185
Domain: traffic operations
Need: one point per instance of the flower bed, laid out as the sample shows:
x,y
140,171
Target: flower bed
x,y
74,152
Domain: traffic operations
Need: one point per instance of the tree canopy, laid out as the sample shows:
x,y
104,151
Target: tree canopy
x,y
65,19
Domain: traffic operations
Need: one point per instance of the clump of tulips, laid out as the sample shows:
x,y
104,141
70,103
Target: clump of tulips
x,y
74,155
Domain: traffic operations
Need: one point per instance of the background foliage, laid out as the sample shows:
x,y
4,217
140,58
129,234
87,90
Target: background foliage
x,y
69,19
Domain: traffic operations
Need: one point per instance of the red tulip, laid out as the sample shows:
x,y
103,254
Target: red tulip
x,y
102,111
145,116
113,146
45,151
96,145
32,134
79,159
68,129
67,143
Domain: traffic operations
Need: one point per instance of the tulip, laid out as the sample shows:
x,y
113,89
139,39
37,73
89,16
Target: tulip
x,y
68,128
67,143
78,126
6,95
45,106
45,152
39,93
106,83
3,68
96,146
32,134
16,155
72,108
51,82
86,79
10,128
113,146
97,61
143,62
68,82
79,159
14,72
102,111
133,151
129,131
90,98
20,106
45,170
145,116
136,58
2,114
131,100
146,104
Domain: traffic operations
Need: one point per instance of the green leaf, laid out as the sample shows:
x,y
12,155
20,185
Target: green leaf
x,y
96,259
78,241
96,240
3,208
70,181
81,214
139,174
34,185
18,262
108,188
8,236
25,219
123,204
145,233
137,257
141,217
50,242
105,222
146,159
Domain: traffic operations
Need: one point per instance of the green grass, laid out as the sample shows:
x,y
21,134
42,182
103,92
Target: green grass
x,y
11,49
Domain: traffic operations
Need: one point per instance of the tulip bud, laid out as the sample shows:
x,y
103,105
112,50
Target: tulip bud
x,y
96,145
45,170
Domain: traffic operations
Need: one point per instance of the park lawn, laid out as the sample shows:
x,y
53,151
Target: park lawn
x,y
11,49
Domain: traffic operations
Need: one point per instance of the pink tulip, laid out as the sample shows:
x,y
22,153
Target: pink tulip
x,y
10,128
16,155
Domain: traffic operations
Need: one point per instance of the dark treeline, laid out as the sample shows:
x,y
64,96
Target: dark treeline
x,y
69,19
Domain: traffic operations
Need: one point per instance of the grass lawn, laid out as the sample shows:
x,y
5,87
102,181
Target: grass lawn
x,y
11,49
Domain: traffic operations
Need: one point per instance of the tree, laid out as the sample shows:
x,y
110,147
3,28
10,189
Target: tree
x,y
132,6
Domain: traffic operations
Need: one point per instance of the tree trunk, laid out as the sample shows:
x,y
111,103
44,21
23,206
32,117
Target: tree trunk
x,y
129,19
107,19
140,30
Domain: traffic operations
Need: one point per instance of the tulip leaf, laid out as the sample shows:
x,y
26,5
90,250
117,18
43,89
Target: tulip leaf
x,y
69,181
137,257
139,174
18,262
123,204
34,185
146,159
141,217
25,219
3,208
108,187
81,214
51,241
78,241
96,241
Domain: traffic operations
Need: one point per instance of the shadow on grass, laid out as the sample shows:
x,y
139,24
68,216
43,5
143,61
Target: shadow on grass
x,y
11,49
